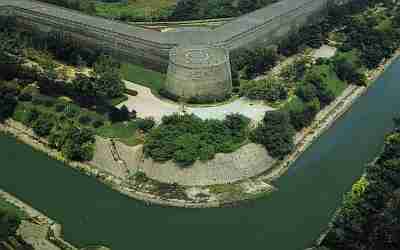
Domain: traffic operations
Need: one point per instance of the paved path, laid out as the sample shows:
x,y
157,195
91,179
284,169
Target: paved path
x,y
148,105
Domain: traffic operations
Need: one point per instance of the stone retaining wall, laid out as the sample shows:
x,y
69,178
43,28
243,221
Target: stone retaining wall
x,y
248,161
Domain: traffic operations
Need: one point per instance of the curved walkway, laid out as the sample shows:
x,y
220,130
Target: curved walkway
x,y
148,105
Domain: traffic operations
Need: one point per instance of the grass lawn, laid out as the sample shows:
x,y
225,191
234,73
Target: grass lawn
x,y
126,132
146,77
295,103
334,83
136,9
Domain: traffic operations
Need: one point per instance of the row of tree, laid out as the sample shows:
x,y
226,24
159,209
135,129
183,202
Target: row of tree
x,y
369,216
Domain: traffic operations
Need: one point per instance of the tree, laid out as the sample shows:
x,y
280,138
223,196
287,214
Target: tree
x,y
275,133
8,100
9,223
303,116
306,92
109,84
324,94
43,124
84,89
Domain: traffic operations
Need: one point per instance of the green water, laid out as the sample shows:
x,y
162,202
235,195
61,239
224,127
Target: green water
x,y
290,218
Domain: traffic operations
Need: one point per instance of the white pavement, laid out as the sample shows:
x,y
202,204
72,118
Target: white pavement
x,y
148,105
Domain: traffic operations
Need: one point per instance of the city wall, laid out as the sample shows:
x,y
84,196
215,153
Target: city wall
x,y
151,48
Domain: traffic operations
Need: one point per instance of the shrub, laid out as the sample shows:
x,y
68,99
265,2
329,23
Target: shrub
x,y
145,124
71,110
8,100
31,115
306,92
85,119
270,90
187,138
43,100
98,123
60,107
119,115
303,116
9,223
275,133
27,94
43,125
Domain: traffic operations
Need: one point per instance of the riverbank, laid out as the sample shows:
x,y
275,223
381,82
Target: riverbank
x,y
325,119
256,186
51,236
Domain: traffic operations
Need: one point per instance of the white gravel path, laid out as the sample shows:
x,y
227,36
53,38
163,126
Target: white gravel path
x,y
148,105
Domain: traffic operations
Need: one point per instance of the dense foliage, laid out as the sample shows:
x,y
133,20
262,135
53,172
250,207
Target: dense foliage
x,y
87,6
194,9
271,90
187,138
369,217
253,62
275,133
374,33
9,223
8,100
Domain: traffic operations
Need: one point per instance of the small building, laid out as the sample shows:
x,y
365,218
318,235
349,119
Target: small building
x,y
200,73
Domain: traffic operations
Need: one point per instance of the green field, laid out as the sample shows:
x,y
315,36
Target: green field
x,y
138,10
126,132
140,75
334,83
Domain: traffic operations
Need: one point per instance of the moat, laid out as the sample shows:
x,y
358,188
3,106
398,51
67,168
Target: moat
x,y
290,218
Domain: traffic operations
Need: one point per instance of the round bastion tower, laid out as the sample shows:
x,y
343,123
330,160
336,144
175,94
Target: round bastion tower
x,y
200,73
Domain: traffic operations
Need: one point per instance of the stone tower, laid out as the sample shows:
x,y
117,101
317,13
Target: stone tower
x,y
200,73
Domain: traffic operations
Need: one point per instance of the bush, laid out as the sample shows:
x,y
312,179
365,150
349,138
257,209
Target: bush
x,y
119,115
60,107
85,119
8,100
306,92
71,110
275,133
303,116
270,90
43,100
98,123
31,115
27,94
9,223
43,125
187,138
145,124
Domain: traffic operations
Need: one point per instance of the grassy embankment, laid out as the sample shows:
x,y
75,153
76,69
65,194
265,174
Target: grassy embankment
x,y
146,77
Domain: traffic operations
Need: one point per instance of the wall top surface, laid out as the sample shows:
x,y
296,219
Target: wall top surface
x,y
198,56
219,36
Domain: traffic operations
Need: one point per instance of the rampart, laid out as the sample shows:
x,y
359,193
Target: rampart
x,y
150,47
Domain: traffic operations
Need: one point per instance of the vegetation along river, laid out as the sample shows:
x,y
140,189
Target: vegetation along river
x,y
288,219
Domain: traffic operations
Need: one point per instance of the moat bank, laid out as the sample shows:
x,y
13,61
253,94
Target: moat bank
x,y
307,194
